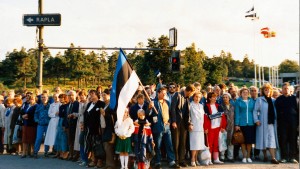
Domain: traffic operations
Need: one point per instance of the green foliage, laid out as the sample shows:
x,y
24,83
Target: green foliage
x,y
288,66
83,69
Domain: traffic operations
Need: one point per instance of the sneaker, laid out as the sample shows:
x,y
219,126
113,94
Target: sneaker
x,y
83,164
35,156
294,161
197,163
193,164
218,162
249,160
244,160
283,161
210,163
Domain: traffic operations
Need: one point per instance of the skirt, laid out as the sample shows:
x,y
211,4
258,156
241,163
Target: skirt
x,y
61,140
249,134
28,134
123,145
197,140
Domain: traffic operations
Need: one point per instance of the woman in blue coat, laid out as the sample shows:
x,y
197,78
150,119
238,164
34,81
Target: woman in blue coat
x,y
264,115
243,120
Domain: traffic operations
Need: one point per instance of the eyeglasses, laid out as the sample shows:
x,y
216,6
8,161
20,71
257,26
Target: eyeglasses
x,y
172,86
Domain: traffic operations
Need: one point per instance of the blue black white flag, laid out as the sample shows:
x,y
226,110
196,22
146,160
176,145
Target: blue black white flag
x,y
125,84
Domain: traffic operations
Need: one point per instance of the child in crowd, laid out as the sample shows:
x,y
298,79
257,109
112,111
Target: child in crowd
x,y
143,140
123,129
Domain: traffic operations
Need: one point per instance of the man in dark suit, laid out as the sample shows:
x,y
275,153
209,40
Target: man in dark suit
x,y
141,104
179,115
72,122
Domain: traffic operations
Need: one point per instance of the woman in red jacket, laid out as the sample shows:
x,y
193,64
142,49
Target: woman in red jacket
x,y
214,123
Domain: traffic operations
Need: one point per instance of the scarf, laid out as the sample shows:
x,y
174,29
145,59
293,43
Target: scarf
x,y
271,111
7,112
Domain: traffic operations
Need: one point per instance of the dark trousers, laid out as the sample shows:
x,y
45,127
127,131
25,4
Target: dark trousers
x,y
179,142
236,151
71,139
287,137
1,141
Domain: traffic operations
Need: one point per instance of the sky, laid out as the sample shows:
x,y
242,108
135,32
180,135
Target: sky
x,y
212,25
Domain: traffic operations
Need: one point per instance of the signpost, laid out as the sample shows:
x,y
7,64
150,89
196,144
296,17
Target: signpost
x,y
41,19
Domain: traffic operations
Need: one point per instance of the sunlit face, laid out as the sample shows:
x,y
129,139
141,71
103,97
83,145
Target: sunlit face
x,y
213,100
253,92
44,98
267,92
245,94
172,88
140,101
162,94
72,96
286,90
197,98
61,99
226,98
105,97
82,97
32,101
275,95
126,113
141,115
55,97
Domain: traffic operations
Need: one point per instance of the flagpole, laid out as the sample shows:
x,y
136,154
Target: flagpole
x,y
148,97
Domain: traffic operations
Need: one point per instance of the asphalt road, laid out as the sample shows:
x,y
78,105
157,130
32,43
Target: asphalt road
x,y
15,162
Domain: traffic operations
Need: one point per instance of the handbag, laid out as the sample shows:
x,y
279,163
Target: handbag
x,y
98,148
237,138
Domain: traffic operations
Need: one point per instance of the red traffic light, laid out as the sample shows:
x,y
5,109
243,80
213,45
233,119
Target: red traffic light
x,y
174,60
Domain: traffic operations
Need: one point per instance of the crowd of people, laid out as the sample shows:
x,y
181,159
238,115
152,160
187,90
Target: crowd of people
x,y
78,125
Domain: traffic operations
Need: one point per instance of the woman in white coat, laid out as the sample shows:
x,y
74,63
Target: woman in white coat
x,y
196,130
264,116
7,120
52,127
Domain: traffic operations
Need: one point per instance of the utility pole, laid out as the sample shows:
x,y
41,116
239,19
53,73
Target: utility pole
x,y
40,50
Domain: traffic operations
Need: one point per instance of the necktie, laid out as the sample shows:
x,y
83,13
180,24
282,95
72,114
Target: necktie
x,y
7,112
70,108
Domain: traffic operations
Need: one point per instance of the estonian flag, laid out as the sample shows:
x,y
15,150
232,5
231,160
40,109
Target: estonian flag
x,y
252,9
124,85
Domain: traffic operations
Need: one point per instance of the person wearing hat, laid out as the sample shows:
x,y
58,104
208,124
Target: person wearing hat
x,y
2,109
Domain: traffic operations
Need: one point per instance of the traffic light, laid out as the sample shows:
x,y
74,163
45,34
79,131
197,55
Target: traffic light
x,y
175,61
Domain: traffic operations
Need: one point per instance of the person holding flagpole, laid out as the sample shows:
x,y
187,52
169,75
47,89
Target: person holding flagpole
x,y
160,121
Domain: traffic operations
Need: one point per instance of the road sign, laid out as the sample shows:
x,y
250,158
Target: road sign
x,y
41,19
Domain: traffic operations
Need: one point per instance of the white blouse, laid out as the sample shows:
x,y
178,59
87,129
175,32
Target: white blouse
x,y
124,128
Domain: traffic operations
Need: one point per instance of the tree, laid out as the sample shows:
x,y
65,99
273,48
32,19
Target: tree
x,y
193,61
19,67
288,66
